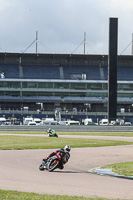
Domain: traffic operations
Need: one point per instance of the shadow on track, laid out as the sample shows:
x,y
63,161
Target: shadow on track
x,y
70,172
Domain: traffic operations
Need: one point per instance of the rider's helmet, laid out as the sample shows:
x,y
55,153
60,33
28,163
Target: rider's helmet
x,y
49,129
67,148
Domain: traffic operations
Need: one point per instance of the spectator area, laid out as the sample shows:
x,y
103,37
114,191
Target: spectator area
x,y
41,72
74,72
10,71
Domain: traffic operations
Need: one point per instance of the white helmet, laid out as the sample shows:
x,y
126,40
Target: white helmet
x,y
67,148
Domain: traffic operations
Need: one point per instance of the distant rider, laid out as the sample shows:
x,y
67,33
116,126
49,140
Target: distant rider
x,y
64,154
51,132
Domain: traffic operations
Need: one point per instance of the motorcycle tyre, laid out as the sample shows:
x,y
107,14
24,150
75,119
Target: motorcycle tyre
x,y
54,167
56,135
41,167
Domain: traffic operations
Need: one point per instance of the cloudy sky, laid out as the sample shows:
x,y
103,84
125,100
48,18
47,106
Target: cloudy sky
x,y
61,25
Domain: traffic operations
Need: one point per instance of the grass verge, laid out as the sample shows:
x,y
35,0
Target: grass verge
x,y
23,142
14,195
125,168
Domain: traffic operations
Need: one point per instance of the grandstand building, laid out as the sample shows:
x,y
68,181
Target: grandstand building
x,y
62,81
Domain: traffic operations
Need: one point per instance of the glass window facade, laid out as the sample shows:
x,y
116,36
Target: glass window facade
x,y
61,85
96,86
126,86
10,84
12,93
78,86
41,85
79,89
128,95
29,85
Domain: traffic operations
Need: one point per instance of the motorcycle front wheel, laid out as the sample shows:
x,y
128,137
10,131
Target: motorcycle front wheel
x,y
41,167
53,164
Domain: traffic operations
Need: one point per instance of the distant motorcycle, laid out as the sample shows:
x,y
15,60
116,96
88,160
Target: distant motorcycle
x,y
52,133
52,163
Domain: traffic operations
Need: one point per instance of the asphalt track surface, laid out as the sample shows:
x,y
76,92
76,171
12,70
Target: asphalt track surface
x,y
19,170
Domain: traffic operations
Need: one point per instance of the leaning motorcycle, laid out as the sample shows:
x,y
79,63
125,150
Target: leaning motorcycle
x,y
52,134
52,163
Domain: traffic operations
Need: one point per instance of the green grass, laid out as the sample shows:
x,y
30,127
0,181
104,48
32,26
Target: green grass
x,y
14,195
125,168
32,142
121,134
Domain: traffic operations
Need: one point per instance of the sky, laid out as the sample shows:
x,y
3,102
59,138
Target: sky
x,y
61,25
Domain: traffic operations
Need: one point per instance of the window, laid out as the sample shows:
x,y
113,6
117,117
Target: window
x,y
41,85
94,86
29,85
61,85
78,86
125,86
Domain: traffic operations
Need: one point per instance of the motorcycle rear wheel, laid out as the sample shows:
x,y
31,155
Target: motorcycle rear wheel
x,y
56,135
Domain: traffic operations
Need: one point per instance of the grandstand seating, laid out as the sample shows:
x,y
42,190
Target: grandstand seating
x,y
93,72
10,71
39,71
125,73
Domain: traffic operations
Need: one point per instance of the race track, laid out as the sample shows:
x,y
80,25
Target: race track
x,y
19,171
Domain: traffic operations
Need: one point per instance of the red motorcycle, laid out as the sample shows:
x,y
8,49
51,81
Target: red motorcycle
x,y
52,163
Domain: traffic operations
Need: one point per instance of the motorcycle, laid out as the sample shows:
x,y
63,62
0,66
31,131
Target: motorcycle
x,y
52,163
52,134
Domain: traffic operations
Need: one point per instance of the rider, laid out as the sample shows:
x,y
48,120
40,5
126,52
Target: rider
x,y
65,155
50,132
